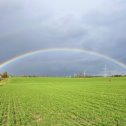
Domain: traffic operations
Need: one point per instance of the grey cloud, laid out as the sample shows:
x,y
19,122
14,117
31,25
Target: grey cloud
x,y
60,63
34,25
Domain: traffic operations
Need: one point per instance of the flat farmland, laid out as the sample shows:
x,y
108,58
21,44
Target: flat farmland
x,y
63,101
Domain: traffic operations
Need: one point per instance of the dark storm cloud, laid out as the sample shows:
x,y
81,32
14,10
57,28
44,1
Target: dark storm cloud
x,y
31,25
107,32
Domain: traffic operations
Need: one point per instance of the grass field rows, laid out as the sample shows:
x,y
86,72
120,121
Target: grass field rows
x,y
63,102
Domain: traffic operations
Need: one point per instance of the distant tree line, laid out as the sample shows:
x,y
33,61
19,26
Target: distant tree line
x,y
90,76
118,75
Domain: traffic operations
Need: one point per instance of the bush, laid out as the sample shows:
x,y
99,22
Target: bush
x,y
5,75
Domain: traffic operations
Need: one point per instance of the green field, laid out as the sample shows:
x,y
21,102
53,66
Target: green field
x,y
63,102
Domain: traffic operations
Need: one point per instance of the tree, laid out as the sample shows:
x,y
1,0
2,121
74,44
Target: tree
x,y
0,77
5,75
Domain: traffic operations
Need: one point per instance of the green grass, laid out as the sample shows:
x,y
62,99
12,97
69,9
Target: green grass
x,y
63,102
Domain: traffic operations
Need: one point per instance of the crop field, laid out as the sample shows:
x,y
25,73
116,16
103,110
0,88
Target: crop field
x,y
63,102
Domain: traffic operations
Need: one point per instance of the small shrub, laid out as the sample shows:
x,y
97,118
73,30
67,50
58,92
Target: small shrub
x,y
5,75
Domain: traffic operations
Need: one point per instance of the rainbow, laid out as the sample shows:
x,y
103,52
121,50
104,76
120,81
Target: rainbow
x,y
32,53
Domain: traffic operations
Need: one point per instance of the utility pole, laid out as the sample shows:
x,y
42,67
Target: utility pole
x,y
105,71
84,74
75,75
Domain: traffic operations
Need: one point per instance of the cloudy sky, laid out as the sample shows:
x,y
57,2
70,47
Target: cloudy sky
x,y
95,25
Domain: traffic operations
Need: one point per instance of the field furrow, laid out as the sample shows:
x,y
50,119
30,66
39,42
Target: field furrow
x,y
63,102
